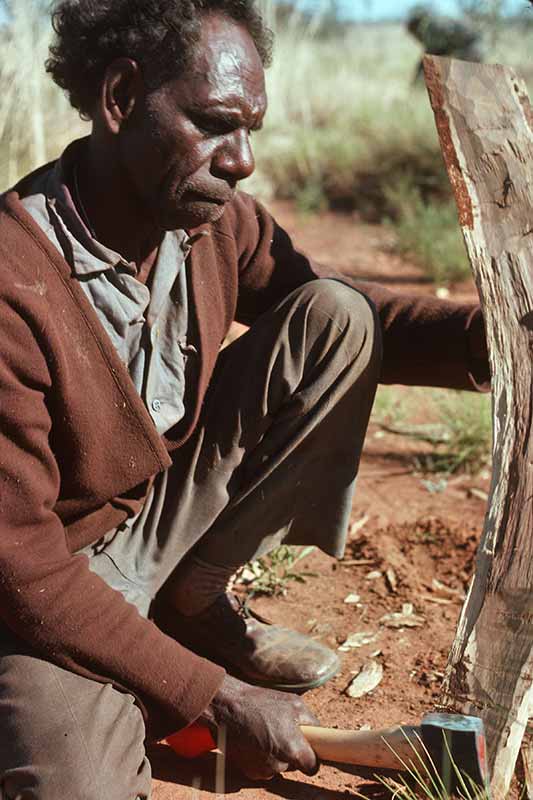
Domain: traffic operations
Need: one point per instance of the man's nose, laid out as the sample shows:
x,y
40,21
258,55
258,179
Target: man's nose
x,y
234,159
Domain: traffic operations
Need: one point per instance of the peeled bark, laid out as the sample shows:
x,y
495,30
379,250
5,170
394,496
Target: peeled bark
x,y
484,120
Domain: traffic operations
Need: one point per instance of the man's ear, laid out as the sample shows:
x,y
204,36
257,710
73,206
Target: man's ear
x,y
122,89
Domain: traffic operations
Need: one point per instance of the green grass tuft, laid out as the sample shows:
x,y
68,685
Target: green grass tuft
x,y
272,574
430,234
458,425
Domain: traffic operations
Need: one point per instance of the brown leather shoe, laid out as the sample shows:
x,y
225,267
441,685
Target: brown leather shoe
x,y
251,648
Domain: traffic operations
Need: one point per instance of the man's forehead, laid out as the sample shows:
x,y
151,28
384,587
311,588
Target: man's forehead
x,y
226,61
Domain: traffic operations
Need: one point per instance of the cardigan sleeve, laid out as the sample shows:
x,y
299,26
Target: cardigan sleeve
x,y
48,597
426,341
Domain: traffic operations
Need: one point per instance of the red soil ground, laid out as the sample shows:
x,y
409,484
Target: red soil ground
x,y
421,535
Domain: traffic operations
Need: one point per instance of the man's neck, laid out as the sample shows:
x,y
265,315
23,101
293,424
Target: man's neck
x,y
112,211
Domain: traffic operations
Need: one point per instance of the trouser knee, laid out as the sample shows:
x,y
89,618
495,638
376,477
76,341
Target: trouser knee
x,y
350,312
67,776
65,736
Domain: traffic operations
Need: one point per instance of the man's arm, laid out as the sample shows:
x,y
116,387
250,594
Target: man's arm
x,y
426,341
49,597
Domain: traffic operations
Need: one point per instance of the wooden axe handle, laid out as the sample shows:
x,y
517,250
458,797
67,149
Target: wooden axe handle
x,y
385,748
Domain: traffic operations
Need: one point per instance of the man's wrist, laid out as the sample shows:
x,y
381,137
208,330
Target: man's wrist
x,y
219,710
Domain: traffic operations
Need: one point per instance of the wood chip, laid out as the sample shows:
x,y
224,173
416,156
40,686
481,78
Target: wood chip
x,y
356,526
246,575
392,580
479,493
406,618
441,589
374,575
351,599
321,629
441,601
370,676
357,640
357,562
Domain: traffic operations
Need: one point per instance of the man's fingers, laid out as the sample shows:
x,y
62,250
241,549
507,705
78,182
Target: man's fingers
x,y
265,772
278,766
301,755
311,766
255,764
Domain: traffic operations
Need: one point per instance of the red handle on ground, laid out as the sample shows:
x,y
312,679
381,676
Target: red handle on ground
x,y
192,742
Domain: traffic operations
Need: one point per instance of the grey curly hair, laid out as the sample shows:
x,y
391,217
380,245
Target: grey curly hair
x,y
158,34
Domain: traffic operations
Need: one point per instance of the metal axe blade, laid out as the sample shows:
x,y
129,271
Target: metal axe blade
x,y
456,745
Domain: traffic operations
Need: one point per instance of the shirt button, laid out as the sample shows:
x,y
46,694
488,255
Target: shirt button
x,y
156,405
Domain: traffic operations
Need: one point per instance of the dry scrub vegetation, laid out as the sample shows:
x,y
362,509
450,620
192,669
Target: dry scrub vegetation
x,y
345,128
36,121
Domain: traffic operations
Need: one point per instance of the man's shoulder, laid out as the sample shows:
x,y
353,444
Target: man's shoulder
x,y
22,243
12,199
13,221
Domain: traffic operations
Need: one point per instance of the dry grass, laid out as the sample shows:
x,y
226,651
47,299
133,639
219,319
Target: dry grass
x,y
343,120
345,127
36,121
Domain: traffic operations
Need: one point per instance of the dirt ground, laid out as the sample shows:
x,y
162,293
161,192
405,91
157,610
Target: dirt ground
x,y
406,545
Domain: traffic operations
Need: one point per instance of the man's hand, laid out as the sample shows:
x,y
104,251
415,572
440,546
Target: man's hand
x,y
263,734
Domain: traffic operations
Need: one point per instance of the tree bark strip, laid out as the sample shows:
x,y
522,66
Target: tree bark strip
x,y
484,121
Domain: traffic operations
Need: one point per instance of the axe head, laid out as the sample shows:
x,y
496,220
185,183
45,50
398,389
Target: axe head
x,y
456,743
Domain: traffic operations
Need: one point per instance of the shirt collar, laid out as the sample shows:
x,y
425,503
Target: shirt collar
x,y
89,256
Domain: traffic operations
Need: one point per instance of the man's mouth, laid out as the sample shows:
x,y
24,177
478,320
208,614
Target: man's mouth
x,y
191,196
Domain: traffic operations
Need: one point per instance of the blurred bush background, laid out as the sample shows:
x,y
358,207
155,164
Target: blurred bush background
x,y
346,128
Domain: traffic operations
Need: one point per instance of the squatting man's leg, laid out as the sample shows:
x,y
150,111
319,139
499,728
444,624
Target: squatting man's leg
x,y
274,460
302,385
64,737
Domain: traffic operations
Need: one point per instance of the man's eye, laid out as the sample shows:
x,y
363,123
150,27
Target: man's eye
x,y
213,127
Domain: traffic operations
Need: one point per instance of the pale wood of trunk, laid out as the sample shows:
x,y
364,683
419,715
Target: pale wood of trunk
x,y
484,120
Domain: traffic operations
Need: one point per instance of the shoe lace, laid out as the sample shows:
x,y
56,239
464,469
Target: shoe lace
x,y
245,612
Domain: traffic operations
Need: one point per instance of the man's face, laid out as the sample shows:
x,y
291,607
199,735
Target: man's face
x,y
187,144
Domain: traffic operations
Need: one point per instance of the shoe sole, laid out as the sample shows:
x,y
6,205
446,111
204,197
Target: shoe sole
x,y
296,688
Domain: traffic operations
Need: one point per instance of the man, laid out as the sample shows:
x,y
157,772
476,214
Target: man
x,y
443,36
140,465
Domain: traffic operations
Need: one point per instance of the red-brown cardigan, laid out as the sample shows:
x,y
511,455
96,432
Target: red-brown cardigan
x,y
77,445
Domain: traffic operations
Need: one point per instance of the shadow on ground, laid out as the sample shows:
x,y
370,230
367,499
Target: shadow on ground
x,y
201,772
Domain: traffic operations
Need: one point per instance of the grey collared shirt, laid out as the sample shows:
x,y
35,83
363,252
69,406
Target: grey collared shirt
x,y
148,327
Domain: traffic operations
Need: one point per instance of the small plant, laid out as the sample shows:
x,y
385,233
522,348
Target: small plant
x,y
430,234
389,407
468,420
311,197
458,426
271,575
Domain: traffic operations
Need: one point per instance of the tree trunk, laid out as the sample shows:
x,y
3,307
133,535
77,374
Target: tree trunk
x,y
484,120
